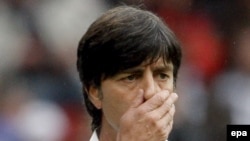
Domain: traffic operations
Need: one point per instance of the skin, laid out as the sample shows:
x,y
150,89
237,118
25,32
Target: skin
x,y
137,104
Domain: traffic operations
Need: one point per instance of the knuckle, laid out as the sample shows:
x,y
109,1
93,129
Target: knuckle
x,y
140,112
169,106
151,118
161,98
172,111
170,126
161,129
171,101
160,126
170,116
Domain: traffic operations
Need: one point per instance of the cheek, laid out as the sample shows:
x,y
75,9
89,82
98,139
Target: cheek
x,y
169,85
115,102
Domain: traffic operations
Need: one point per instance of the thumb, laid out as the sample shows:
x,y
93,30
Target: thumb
x,y
138,100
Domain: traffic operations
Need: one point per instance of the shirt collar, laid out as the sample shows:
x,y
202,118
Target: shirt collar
x,y
94,137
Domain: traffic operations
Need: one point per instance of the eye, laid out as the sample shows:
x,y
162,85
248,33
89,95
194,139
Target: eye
x,y
163,76
130,78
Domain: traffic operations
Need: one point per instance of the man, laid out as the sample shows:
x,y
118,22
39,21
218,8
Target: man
x,y
128,62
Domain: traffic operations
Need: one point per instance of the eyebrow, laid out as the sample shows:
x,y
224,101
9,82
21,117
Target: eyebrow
x,y
163,68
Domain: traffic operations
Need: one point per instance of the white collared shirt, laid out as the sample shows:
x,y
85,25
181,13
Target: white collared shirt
x,y
95,138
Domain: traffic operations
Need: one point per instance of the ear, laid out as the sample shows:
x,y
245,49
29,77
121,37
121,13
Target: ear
x,y
94,97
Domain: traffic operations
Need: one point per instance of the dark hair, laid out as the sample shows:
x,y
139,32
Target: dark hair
x,y
122,38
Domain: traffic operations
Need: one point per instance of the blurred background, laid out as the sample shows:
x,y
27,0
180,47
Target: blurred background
x,y
40,93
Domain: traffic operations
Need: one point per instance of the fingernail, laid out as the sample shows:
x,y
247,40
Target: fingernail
x,y
175,95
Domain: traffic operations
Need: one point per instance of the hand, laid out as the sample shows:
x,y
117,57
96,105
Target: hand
x,y
150,120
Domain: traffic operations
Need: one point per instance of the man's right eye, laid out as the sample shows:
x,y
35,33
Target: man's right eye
x,y
130,78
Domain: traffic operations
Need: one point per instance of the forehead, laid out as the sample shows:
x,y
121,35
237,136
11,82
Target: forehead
x,y
160,63
157,62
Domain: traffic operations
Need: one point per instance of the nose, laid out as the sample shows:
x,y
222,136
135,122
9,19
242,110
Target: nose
x,y
149,85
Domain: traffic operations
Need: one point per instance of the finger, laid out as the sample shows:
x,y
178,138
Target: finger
x,y
166,106
168,117
169,128
165,124
162,110
171,100
138,100
155,101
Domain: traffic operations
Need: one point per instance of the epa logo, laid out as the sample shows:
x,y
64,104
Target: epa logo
x,y
238,134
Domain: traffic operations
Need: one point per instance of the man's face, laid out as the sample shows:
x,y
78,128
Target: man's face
x,y
119,91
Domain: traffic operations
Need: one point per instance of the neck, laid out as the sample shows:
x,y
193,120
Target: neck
x,y
107,132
